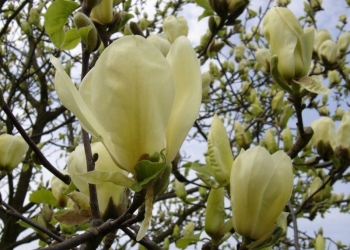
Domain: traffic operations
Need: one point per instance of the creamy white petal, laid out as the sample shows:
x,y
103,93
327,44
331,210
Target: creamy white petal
x,y
131,93
72,100
188,93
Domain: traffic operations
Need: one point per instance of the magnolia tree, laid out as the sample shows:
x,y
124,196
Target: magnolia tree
x,y
98,96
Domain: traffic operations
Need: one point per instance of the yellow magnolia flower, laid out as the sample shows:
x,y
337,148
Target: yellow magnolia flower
x,y
136,101
106,191
261,185
324,131
292,47
289,42
12,150
175,27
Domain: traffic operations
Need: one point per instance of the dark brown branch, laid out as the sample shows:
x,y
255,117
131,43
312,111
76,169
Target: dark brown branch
x,y
11,211
32,145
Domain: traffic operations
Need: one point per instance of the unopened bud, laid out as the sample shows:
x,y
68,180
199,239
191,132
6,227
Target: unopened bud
x,y
343,42
220,7
136,29
239,51
34,17
342,18
328,52
92,40
333,77
277,102
320,243
215,213
287,138
180,189
271,144
315,185
189,229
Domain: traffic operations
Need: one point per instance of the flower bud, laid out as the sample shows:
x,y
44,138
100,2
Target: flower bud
x,y
241,136
277,102
206,81
316,4
189,229
57,187
294,53
219,152
92,40
271,144
343,42
315,185
180,189
26,27
215,213
12,150
320,37
324,134
263,56
176,231
268,183
320,243
328,52
34,17
287,138
333,77
103,12
342,18
174,27
239,51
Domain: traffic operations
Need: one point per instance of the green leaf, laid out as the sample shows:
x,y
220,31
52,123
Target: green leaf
x,y
146,173
203,3
98,177
313,84
206,12
71,39
184,242
43,196
71,188
56,17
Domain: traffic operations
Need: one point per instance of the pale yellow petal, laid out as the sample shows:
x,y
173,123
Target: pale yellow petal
x,y
188,93
132,91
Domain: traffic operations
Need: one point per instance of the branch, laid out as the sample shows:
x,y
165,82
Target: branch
x,y
11,211
32,145
295,226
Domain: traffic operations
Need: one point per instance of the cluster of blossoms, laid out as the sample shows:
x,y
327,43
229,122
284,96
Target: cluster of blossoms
x,y
142,107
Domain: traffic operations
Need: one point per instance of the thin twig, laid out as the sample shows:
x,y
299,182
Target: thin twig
x,y
295,226
13,212
31,143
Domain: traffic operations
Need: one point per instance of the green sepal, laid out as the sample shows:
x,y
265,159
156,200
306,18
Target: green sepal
x,y
71,188
267,241
147,172
204,173
277,76
71,40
